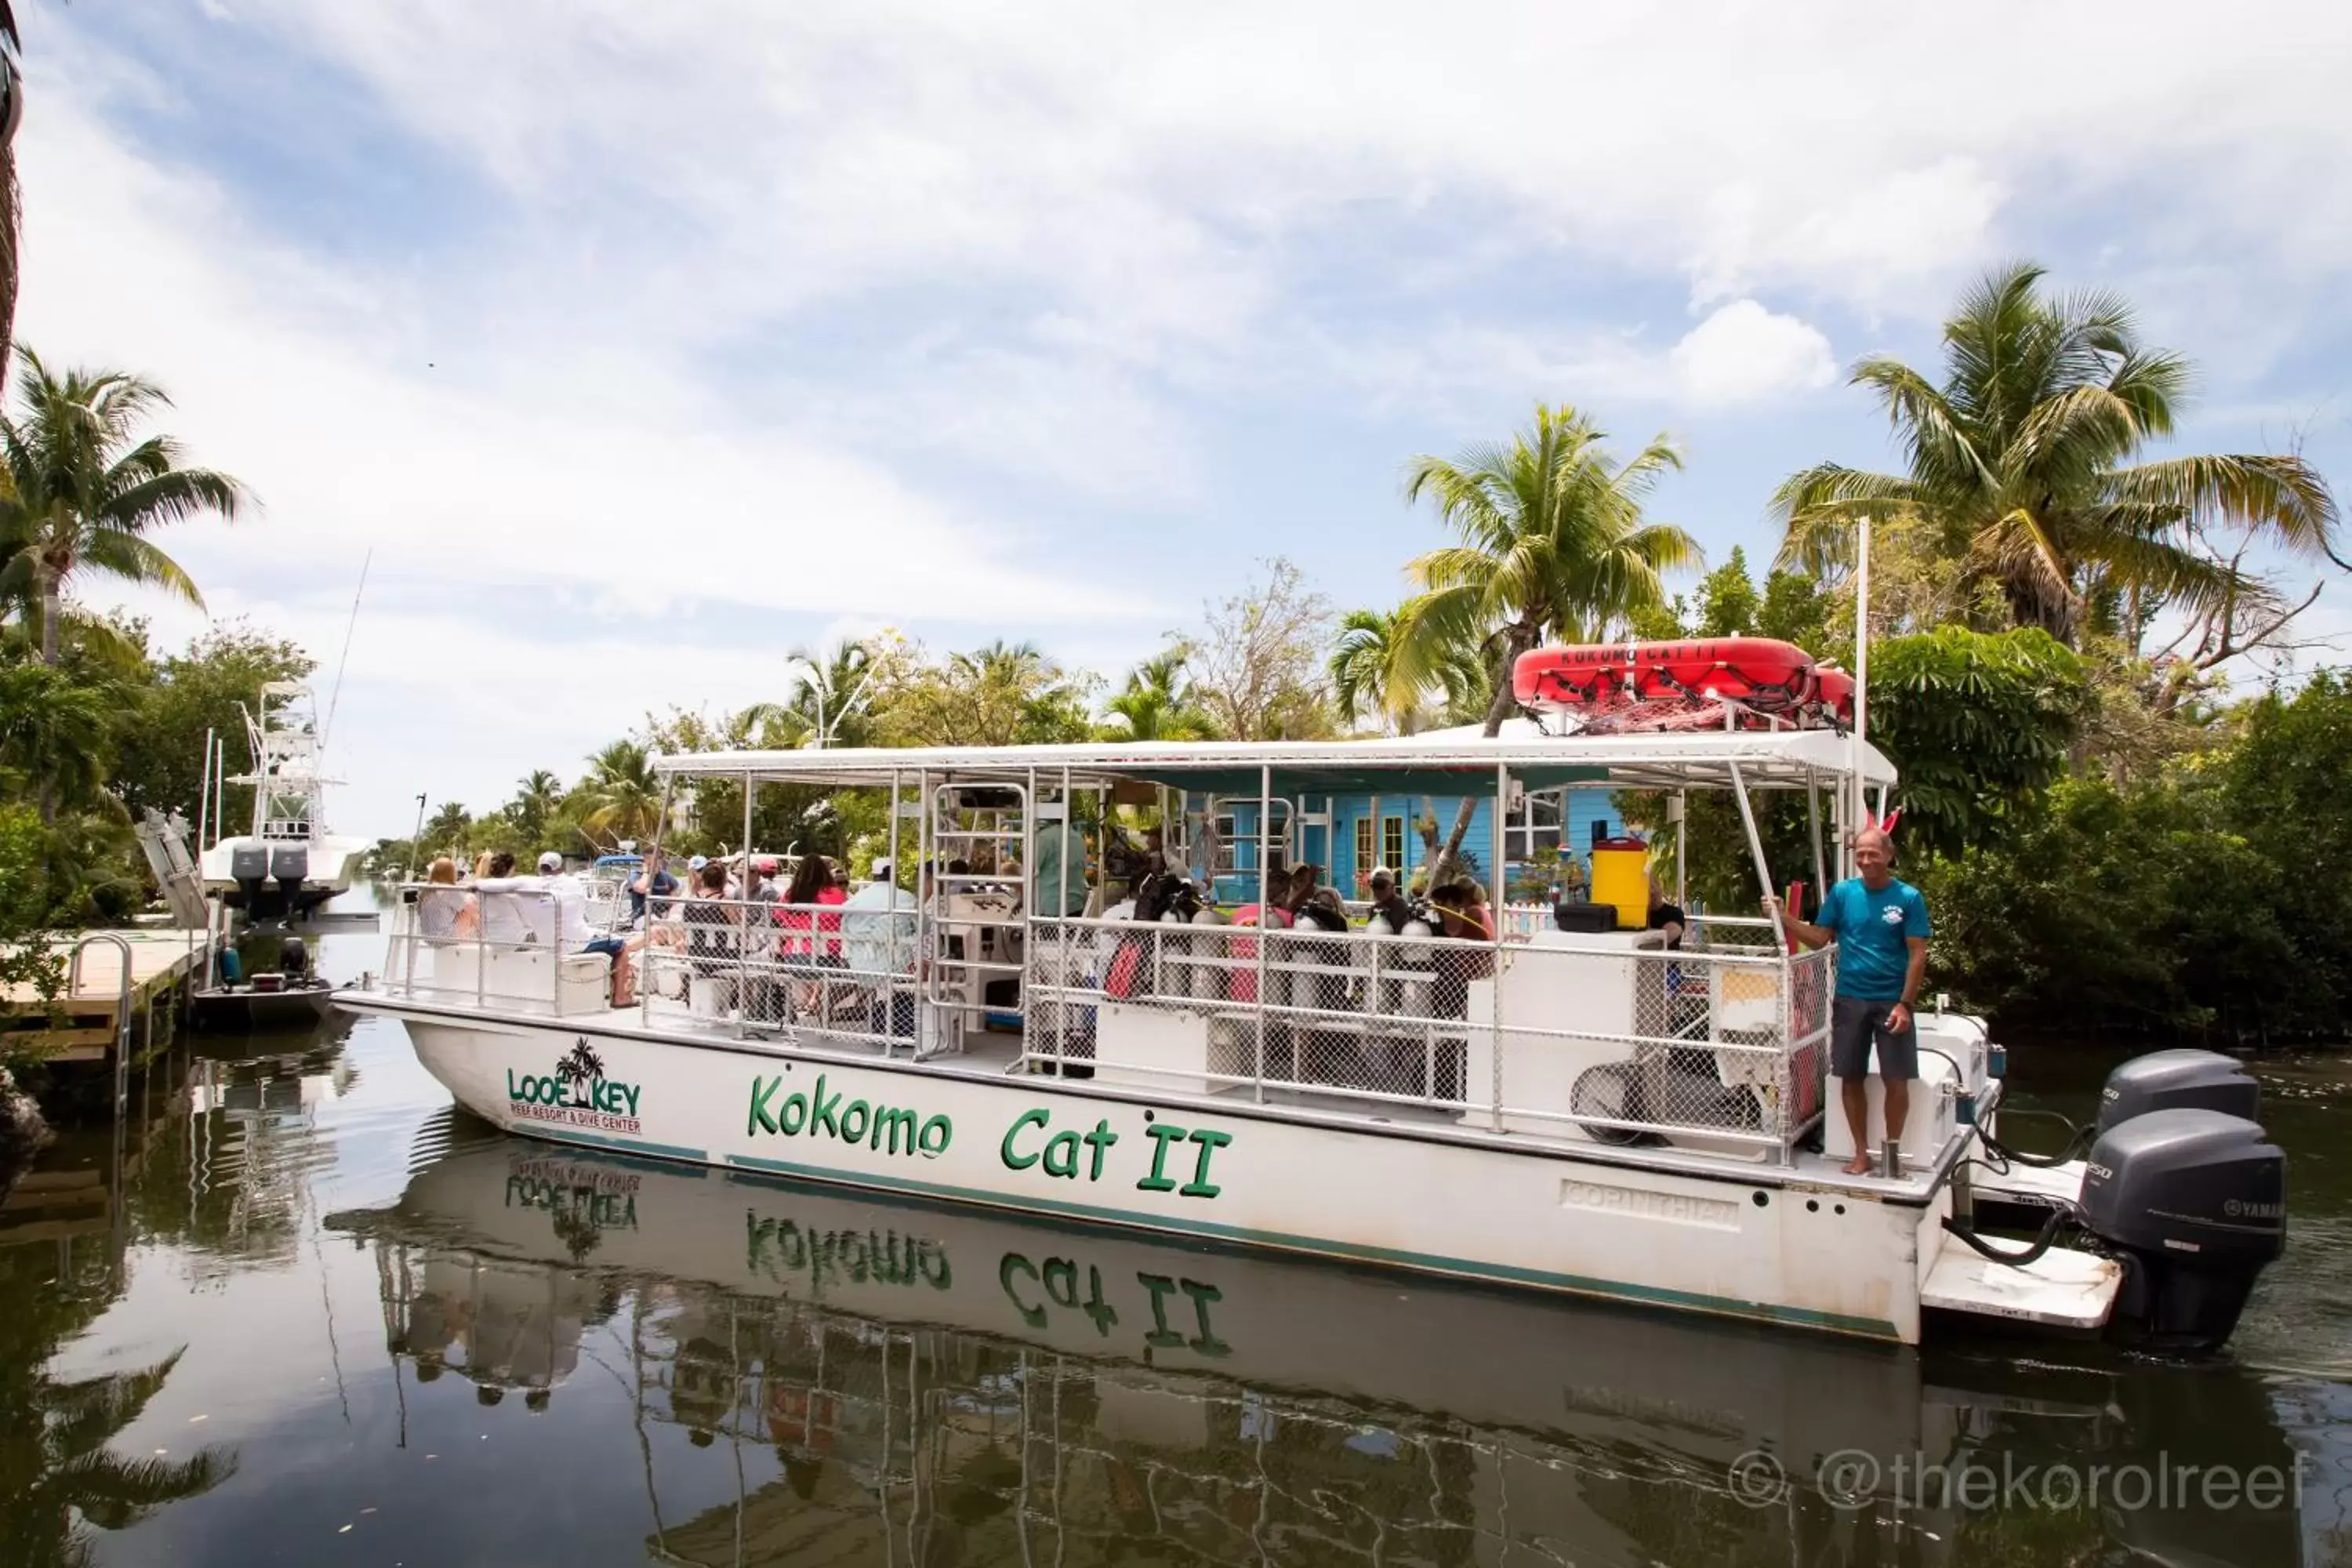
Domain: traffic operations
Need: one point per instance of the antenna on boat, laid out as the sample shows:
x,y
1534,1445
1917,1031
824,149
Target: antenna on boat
x,y
336,696
1861,685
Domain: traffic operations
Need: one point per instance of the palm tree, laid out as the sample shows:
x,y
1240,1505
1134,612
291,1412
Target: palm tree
x,y
827,702
535,798
1156,704
56,732
2021,464
80,491
1552,545
622,796
446,827
63,1473
1370,681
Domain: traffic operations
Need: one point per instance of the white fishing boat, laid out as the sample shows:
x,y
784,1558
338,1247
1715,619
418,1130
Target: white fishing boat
x,y
1587,1111
290,863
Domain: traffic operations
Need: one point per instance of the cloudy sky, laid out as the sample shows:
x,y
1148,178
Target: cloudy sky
x,y
641,343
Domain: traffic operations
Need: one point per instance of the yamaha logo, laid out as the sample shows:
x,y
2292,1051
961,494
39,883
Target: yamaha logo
x,y
2238,1208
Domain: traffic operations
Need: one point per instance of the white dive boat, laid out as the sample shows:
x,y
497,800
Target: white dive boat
x,y
1582,1111
290,864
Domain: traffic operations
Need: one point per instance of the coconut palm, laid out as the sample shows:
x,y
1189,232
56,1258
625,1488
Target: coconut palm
x,y
621,797
2021,464
81,490
56,732
446,827
1368,683
1156,704
827,703
536,798
1552,545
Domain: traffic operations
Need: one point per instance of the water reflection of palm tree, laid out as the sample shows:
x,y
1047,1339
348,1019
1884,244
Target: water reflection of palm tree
x,y
59,1474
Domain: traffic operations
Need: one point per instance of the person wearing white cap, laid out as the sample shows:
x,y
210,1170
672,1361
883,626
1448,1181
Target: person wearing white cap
x,y
558,917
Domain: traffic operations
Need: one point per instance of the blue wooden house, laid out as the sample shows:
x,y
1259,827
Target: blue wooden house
x,y
1348,834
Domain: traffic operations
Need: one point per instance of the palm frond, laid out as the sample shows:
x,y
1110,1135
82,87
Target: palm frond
x,y
2281,497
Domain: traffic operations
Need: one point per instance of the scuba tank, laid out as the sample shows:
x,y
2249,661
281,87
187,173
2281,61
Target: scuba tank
x,y
1208,978
1176,966
1413,958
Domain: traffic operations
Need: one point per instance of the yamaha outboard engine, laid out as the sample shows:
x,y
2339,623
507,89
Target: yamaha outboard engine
x,y
288,863
249,868
2178,1080
2195,1202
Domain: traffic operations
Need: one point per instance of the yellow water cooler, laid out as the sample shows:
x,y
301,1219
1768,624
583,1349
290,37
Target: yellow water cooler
x,y
1620,877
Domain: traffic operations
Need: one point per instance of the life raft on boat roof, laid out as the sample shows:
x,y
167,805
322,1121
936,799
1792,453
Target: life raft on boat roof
x,y
1693,684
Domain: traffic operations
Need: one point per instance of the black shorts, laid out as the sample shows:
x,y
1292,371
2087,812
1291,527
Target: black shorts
x,y
1855,1025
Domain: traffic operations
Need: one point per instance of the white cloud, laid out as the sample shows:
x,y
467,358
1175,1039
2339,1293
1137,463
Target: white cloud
x,y
1138,159
1744,354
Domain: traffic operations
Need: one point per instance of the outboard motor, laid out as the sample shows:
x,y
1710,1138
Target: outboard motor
x,y
249,868
2178,1080
2195,1202
294,960
288,865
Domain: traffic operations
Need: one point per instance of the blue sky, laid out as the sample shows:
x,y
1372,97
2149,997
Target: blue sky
x,y
639,345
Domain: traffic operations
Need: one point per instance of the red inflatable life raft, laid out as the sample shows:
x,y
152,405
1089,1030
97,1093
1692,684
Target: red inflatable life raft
x,y
1676,685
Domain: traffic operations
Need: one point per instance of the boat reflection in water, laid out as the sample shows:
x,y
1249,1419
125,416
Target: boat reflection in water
x,y
886,1383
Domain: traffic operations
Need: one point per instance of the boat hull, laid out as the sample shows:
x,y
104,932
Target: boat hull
x,y
1504,1211
247,1011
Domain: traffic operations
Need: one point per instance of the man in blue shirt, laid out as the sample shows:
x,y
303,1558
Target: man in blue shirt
x,y
1880,925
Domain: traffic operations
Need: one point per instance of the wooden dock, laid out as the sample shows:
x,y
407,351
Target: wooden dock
x,y
86,1019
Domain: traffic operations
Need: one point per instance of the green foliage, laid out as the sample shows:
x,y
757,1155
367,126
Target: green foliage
x,y
1002,695
1727,600
25,904
209,687
1977,723
2289,787
56,735
1157,702
2108,910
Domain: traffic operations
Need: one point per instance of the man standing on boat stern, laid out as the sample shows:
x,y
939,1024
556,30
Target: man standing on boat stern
x,y
1880,924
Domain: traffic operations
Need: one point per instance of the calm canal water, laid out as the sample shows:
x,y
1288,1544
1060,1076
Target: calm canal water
x,y
320,1319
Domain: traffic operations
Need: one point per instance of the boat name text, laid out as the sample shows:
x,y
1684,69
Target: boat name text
x,y
888,1128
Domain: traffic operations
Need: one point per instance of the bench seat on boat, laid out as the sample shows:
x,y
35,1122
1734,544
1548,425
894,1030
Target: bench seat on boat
x,y
535,978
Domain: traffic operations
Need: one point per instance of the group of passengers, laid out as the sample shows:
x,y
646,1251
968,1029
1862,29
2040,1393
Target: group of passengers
x,y
501,910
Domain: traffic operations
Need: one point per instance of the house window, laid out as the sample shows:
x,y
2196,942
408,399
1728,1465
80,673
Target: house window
x,y
1393,843
1539,824
1365,856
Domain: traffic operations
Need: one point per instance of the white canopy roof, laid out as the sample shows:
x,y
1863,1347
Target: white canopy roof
x,y
1770,759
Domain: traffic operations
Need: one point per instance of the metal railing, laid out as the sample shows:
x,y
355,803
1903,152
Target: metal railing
x,y
456,944
845,973
1722,1044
